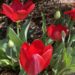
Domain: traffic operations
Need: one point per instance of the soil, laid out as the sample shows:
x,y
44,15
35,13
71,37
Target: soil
x,y
7,70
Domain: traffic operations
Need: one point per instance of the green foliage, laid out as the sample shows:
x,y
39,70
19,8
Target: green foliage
x,y
13,36
22,72
24,30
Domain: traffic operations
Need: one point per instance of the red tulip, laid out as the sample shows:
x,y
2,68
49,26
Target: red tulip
x,y
55,32
71,13
35,57
16,10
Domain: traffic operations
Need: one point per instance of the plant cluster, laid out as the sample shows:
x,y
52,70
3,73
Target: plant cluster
x,y
52,52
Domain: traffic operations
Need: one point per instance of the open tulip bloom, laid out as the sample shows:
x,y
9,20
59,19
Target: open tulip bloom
x,y
70,13
16,10
35,57
55,32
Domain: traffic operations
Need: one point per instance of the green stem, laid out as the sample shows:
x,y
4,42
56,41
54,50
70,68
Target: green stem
x,y
18,28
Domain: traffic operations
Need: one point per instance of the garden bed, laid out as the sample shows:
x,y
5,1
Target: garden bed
x,y
49,8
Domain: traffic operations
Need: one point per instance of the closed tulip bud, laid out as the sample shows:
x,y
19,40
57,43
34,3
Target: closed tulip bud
x,y
57,15
10,44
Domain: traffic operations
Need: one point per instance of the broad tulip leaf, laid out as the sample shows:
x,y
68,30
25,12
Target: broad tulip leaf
x,y
13,36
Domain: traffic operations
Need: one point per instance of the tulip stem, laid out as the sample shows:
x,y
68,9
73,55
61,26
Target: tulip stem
x,y
18,28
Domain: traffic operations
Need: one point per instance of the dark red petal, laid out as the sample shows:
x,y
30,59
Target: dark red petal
x,y
70,12
24,55
36,65
37,46
8,11
47,55
62,28
67,12
50,30
48,47
20,15
57,36
29,6
16,5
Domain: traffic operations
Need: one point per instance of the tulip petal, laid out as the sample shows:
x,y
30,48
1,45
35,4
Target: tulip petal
x,y
16,5
47,55
7,10
37,46
71,13
62,28
36,65
51,30
20,15
24,56
55,32
29,6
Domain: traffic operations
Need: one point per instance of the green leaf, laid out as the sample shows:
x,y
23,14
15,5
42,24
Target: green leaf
x,y
72,39
49,41
24,30
13,36
67,56
3,47
22,72
4,62
11,54
72,67
69,70
2,54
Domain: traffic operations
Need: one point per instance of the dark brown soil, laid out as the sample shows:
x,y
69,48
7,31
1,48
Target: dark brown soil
x,y
8,73
8,70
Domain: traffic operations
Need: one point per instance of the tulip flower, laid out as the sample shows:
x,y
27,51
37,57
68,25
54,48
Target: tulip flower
x,y
71,14
17,11
55,32
35,57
